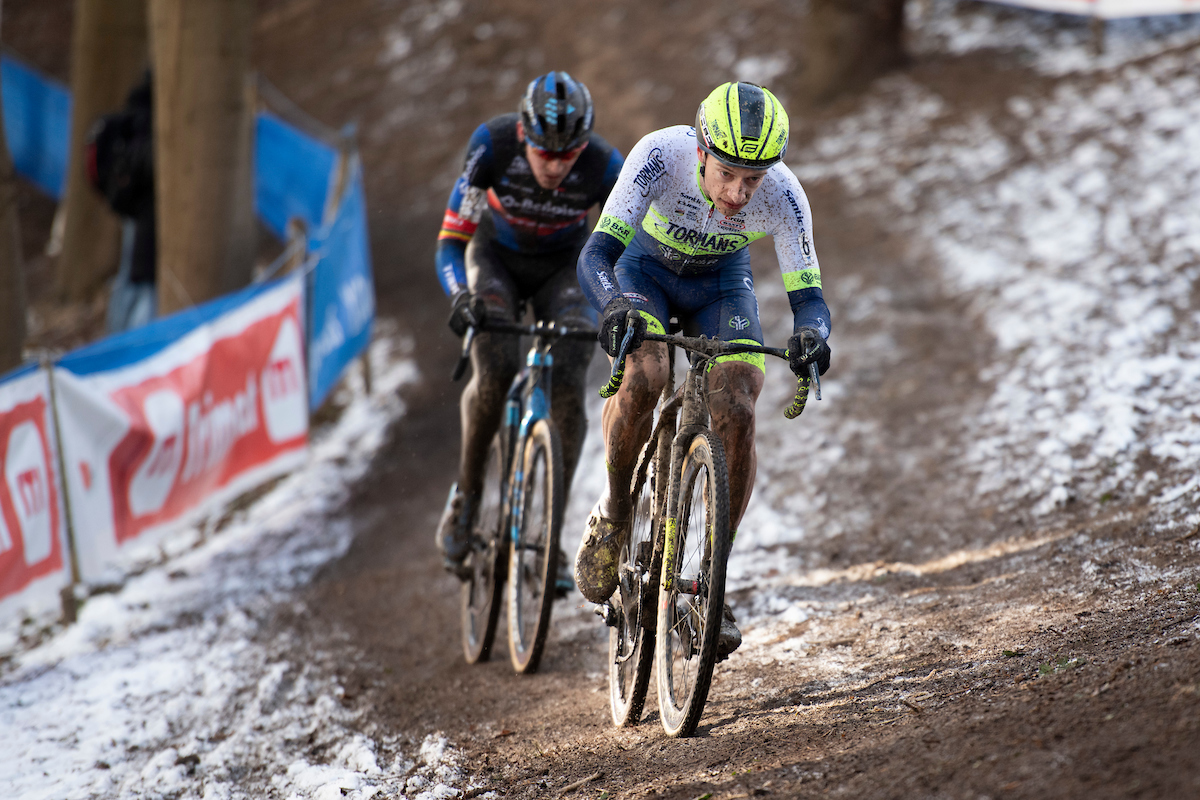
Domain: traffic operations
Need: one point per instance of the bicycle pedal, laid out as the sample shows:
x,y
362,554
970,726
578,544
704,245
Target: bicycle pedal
x,y
607,613
644,550
459,569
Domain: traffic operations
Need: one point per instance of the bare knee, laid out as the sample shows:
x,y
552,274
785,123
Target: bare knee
x,y
645,376
494,362
733,389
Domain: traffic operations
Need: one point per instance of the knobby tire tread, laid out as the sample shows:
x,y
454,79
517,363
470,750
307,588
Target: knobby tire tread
x,y
704,448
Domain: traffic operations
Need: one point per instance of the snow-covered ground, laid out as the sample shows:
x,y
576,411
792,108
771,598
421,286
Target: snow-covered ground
x,y
1076,241
1071,226
173,675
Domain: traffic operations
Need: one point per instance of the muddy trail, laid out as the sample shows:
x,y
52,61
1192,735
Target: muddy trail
x,y
954,645
986,660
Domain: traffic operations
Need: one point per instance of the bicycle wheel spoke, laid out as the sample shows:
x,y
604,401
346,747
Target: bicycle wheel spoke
x,y
532,571
631,639
481,591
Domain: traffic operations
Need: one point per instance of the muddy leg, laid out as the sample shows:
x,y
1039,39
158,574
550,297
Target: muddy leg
x,y
733,389
494,363
627,421
568,400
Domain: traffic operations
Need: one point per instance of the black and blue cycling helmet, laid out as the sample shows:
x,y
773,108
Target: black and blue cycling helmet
x,y
556,111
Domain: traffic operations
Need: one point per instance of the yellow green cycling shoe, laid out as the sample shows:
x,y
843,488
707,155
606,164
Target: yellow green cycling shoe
x,y
596,562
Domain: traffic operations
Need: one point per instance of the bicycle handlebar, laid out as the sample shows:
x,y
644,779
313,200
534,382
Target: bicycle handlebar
x,y
711,348
549,330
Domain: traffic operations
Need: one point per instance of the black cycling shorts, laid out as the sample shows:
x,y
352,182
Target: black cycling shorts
x,y
508,280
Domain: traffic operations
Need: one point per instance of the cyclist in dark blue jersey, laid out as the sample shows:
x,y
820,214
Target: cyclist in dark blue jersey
x,y
510,238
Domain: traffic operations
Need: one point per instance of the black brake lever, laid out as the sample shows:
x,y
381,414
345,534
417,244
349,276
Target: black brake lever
x,y
465,356
618,365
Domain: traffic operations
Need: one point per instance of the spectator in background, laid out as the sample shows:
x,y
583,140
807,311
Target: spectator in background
x,y
120,165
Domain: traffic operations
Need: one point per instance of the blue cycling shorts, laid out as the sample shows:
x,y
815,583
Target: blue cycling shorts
x,y
719,304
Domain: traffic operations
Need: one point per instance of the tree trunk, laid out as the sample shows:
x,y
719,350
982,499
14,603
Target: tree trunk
x,y
108,53
12,275
849,43
202,136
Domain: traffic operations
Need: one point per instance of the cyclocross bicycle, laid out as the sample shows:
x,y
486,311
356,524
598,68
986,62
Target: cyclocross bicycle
x,y
668,605
515,535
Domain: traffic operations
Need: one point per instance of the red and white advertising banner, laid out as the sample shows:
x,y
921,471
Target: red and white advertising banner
x,y
34,563
164,422
1111,9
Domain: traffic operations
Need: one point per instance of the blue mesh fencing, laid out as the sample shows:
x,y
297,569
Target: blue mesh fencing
x,y
37,124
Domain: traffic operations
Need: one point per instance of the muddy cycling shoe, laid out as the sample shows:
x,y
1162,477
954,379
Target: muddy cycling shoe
x,y
564,582
730,638
596,561
454,532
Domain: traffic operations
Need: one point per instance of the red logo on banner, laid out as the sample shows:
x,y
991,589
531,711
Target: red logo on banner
x,y
198,427
29,522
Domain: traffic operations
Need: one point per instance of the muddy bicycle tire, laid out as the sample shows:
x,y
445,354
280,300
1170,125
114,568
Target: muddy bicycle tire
x,y
482,591
692,586
631,639
533,555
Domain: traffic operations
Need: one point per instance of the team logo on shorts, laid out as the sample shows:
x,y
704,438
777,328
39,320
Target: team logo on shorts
x,y
739,323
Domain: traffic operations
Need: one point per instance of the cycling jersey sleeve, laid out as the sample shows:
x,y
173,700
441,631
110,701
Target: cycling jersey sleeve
x,y
611,172
468,199
635,187
595,268
798,261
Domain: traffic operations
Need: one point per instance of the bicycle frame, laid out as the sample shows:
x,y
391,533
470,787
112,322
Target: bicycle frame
x,y
517,544
527,402
686,410
684,447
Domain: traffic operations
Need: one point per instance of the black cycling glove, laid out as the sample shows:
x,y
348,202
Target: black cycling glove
x,y
464,313
807,346
612,329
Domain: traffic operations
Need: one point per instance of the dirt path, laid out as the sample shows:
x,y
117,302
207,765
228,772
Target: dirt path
x,y
949,649
951,652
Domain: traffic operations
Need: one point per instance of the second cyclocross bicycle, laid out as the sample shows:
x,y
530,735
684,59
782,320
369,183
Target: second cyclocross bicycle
x,y
670,597
515,536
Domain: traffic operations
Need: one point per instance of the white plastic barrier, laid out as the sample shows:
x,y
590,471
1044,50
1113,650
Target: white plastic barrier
x,y
1111,9
34,561
163,423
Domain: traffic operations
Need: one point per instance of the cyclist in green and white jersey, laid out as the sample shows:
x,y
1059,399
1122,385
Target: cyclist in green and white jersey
x,y
672,241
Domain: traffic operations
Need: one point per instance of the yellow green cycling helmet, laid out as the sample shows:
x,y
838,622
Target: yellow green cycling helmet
x,y
742,125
